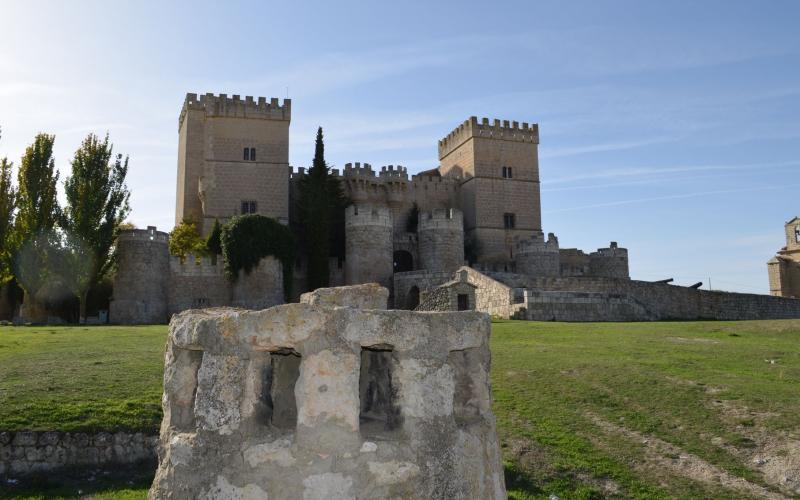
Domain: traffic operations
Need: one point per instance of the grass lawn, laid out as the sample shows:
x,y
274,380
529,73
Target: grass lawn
x,y
81,378
647,410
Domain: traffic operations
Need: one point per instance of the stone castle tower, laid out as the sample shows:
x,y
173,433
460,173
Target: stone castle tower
x,y
233,158
500,198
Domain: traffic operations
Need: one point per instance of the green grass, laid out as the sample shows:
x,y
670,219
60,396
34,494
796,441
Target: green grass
x,y
568,398
81,378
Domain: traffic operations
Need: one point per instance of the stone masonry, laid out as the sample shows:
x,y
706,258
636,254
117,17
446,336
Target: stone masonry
x,y
784,268
318,402
151,285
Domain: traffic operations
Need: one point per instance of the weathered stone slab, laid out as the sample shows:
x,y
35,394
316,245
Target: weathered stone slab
x,y
366,296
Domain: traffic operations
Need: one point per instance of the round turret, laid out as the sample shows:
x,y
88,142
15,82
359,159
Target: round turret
x,y
139,294
611,262
441,240
536,257
368,245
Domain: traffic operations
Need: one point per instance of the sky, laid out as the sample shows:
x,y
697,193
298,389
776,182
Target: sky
x,y
672,128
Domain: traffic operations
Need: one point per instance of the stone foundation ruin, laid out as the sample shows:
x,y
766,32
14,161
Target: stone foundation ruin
x,y
317,401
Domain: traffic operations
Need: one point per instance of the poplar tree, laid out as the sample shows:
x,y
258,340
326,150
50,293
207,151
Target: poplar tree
x,y
322,203
97,204
8,203
34,226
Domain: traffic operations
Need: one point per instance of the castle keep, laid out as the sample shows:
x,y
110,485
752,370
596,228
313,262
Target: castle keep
x,y
479,208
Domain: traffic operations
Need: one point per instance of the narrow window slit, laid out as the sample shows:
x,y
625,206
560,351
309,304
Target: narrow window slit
x,y
379,413
279,378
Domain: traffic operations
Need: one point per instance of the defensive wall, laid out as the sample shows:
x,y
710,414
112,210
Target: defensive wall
x,y
151,285
30,452
511,295
661,301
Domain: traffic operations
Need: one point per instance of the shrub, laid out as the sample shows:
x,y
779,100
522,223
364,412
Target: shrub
x,y
249,238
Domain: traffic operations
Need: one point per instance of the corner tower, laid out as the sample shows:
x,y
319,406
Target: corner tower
x,y
233,158
500,198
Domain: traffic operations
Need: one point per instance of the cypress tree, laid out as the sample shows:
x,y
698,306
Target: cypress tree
x,y
321,210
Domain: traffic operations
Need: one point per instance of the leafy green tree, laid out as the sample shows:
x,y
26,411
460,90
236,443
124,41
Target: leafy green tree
x,y
8,204
37,215
185,239
214,242
97,204
321,209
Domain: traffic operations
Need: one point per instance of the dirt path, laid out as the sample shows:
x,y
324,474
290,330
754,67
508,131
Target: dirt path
x,y
661,455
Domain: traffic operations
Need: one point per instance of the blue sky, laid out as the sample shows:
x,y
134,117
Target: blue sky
x,y
671,127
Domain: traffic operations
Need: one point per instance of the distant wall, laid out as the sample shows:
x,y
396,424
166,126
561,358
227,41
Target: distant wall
x,y
669,302
27,452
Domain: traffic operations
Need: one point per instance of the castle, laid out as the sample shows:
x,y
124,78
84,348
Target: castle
x,y
481,206
784,268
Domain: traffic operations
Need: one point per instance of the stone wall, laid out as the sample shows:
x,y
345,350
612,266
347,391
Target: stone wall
x,y
581,306
494,297
421,281
27,452
150,285
663,301
312,402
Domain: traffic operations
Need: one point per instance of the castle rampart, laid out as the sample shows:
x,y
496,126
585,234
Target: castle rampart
x,y
537,257
151,285
505,130
369,234
611,262
441,240
235,107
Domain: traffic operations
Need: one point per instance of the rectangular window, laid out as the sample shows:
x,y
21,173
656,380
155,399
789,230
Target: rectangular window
x,y
249,207
252,154
507,174
246,154
463,302
377,388
508,221
278,378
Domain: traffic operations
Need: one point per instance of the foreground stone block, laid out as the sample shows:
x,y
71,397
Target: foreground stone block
x,y
305,401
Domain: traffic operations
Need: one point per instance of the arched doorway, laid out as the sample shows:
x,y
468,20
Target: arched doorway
x,y
403,261
412,299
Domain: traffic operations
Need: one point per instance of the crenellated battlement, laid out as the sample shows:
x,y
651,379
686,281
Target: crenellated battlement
x,y
502,130
392,173
537,244
358,170
236,107
149,234
193,265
